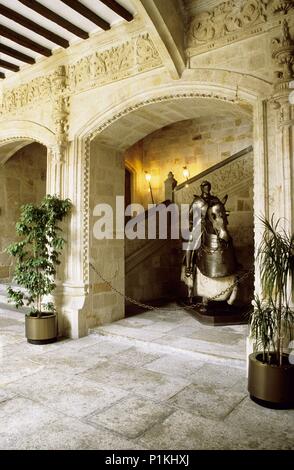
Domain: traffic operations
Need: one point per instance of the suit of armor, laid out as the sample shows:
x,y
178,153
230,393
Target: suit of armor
x,y
199,205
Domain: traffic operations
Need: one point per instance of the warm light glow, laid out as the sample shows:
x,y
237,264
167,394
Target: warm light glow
x,y
186,172
147,176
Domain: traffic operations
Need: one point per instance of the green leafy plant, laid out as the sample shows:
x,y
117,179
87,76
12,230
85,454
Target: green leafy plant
x,y
272,318
38,253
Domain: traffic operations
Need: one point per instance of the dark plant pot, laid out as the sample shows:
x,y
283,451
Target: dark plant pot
x,y
41,330
271,385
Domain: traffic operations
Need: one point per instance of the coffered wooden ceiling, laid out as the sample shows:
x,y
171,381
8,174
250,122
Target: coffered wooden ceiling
x,y
30,29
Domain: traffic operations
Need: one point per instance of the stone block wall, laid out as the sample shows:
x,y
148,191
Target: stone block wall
x,y
22,181
106,182
196,143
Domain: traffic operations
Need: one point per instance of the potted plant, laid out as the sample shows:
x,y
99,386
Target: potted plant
x,y
37,256
271,374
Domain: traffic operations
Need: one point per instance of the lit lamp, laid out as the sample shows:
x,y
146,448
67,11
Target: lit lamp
x,y
186,174
148,179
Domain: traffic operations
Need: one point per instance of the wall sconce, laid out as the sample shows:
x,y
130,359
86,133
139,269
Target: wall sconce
x,y
186,174
148,179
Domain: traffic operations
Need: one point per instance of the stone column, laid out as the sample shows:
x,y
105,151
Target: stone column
x,y
64,180
283,56
274,144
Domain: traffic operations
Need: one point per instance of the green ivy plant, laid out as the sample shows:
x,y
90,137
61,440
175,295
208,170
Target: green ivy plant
x,y
272,318
38,253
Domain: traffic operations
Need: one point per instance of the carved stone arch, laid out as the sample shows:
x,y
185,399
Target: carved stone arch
x,y
15,134
207,87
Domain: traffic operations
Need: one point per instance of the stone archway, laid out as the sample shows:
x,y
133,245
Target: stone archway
x,y
105,128
23,178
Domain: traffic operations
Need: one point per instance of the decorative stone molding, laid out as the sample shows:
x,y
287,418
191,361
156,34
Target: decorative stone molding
x,y
283,55
232,21
225,19
60,111
117,63
25,95
282,6
122,61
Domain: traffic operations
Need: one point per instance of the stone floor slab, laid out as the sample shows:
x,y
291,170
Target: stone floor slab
x,y
136,380
209,402
132,416
21,416
71,395
135,357
175,366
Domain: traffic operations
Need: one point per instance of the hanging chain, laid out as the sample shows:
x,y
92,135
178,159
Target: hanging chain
x,y
152,307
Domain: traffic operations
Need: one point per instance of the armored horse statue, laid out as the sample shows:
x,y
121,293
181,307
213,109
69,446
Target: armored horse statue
x,y
209,266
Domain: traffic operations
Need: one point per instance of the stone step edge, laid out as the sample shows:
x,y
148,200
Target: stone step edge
x,y
161,348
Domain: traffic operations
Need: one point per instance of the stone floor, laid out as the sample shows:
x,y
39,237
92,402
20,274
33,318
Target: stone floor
x,y
158,380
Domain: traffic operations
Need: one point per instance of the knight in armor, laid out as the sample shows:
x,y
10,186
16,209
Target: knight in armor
x,y
202,203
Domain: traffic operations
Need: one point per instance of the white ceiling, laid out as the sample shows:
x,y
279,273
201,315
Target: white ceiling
x,y
61,9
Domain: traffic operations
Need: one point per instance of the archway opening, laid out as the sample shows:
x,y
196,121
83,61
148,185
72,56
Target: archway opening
x,y
23,170
198,133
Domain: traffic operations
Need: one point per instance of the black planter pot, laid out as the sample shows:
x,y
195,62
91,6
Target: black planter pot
x,y
271,385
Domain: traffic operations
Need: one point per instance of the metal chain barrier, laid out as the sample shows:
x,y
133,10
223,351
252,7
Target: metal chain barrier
x,y
152,307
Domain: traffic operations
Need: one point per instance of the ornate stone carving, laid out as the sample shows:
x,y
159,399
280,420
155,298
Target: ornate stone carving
x,y
282,6
27,94
60,111
113,64
147,56
283,55
225,20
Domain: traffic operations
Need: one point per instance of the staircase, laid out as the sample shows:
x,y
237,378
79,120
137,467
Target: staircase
x,y
151,266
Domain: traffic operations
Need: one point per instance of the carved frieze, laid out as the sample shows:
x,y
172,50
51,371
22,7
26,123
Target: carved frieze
x,y
127,59
37,89
113,64
225,19
232,20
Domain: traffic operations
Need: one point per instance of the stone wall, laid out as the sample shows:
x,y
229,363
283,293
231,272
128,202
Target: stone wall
x,y
22,181
196,143
106,182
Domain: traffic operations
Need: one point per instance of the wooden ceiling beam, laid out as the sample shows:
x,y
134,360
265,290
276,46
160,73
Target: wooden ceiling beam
x,y
118,9
31,25
2,75
52,16
24,41
87,13
9,66
16,54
